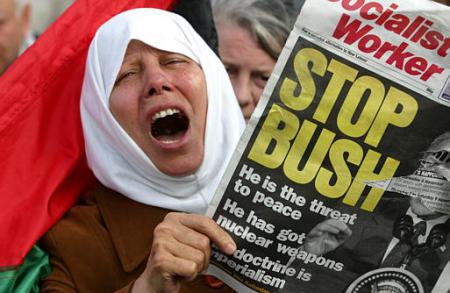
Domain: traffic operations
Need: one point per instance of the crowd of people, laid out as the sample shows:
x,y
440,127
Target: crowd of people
x,y
162,111
170,150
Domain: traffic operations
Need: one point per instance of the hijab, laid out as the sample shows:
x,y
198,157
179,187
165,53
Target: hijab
x,y
113,156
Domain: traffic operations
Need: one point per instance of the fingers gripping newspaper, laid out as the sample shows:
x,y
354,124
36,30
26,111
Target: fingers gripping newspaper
x,y
341,180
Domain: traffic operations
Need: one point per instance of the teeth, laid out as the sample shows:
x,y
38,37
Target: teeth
x,y
164,113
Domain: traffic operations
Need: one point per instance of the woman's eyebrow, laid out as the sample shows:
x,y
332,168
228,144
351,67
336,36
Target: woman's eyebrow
x,y
130,59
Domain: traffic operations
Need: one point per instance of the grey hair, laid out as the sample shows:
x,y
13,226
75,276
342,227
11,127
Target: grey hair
x,y
268,21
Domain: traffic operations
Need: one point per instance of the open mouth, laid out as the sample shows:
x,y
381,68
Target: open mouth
x,y
169,125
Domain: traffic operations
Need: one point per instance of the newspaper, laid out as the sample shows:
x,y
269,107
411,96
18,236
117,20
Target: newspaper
x,y
340,182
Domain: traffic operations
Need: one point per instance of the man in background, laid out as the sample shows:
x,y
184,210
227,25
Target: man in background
x,y
15,32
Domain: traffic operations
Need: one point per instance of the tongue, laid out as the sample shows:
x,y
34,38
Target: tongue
x,y
169,137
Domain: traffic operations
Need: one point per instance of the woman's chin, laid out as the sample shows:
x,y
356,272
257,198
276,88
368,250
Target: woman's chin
x,y
178,167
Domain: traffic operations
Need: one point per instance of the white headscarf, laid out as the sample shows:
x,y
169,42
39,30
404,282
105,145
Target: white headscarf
x,y
114,157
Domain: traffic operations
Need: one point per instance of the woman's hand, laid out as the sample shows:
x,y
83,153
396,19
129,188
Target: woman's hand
x,y
180,251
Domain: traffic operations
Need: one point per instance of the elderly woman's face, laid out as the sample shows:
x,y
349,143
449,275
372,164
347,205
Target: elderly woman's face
x,y
247,64
160,99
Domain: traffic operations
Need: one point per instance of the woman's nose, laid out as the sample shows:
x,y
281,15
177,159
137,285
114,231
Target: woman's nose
x,y
157,81
242,91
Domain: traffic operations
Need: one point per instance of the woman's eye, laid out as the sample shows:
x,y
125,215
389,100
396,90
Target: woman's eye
x,y
124,76
232,71
261,80
173,61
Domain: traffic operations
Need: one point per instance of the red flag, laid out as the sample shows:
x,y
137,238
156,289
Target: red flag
x,y
42,163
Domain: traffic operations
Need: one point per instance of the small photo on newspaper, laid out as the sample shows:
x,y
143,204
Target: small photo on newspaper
x,y
341,180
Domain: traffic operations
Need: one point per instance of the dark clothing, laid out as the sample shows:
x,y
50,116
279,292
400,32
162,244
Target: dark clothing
x,y
102,245
198,13
365,249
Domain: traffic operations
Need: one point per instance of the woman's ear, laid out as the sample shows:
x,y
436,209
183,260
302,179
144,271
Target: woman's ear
x,y
25,18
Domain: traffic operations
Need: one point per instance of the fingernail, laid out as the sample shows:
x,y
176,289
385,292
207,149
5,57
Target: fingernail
x,y
230,248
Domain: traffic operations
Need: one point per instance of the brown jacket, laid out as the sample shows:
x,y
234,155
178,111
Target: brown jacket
x,y
102,245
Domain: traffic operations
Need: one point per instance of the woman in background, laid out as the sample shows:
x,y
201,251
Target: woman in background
x,y
251,35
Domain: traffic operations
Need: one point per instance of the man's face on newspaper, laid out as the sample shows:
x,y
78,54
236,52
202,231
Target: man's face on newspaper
x,y
437,160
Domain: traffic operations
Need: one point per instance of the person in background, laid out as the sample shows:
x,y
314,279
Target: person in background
x,y
251,35
199,14
160,123
15,31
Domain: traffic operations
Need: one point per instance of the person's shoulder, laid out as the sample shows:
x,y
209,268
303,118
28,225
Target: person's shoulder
x,y
76,227
77,243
